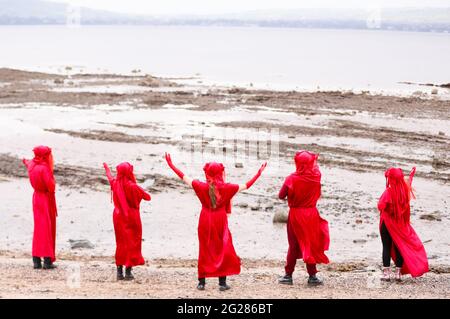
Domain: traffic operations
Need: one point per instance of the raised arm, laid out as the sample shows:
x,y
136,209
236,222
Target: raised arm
x,y
179,173
25,162
283,192
108,173
249,184
409,180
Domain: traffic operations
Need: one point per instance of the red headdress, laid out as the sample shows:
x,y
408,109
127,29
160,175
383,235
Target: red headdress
x,y
42,155
124,176
214,173
307,167
400,191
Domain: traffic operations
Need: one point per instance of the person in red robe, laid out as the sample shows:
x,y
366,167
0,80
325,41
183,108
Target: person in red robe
x,y
40,172
307,232
217,257
400,241
127,196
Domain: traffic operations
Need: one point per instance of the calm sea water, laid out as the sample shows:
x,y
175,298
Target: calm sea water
x,y
265,57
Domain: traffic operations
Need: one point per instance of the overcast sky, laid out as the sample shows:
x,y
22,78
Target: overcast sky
x,y
230,6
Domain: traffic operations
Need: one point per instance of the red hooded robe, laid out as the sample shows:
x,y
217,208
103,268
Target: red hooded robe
x,y
217,257
395,213
127,196
303,192
40,171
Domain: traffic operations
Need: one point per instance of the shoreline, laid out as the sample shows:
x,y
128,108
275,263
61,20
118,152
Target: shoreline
x,y
410,89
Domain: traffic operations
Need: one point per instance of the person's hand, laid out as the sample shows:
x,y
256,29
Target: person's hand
x,y
262,168
176,170
258,174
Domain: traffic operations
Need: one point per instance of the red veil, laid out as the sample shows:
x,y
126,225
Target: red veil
x,y
400,192
306,168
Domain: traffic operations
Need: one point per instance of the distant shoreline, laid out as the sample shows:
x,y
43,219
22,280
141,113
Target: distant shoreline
x,y
357,25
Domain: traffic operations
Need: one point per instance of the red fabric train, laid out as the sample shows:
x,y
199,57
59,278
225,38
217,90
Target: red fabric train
x,y
395,211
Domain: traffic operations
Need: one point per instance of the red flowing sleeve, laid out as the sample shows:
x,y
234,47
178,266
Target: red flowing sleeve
x,y
49,180
109,175
282,194
50,184
137,194
197,186
384,201
228,191
145,196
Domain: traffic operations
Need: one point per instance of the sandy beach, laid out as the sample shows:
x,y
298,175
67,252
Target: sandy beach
x,y
175,278
89,119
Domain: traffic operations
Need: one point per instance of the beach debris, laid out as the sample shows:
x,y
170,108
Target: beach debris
x,y
80,244
150,82
434,91
239,165
243,205
373,235
358,221
280,217
58,81
441,133
438,163
359,241
431,217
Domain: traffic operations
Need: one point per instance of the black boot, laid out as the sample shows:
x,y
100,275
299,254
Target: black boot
x,y
201,284
37,262
48,264
314,281
120,273
286,280
223,284
128,274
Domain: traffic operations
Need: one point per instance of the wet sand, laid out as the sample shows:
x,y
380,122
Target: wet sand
x,y
89,119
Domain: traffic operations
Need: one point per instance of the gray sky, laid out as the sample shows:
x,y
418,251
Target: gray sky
x,y
229,6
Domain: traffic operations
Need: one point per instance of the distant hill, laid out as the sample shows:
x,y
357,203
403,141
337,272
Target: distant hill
x,y
23,12
37,12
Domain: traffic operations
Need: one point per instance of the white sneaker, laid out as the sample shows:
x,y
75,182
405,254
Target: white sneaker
x,y
386,276
398,274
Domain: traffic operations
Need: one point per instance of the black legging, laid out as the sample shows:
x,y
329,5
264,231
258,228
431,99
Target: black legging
x,y
387,245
